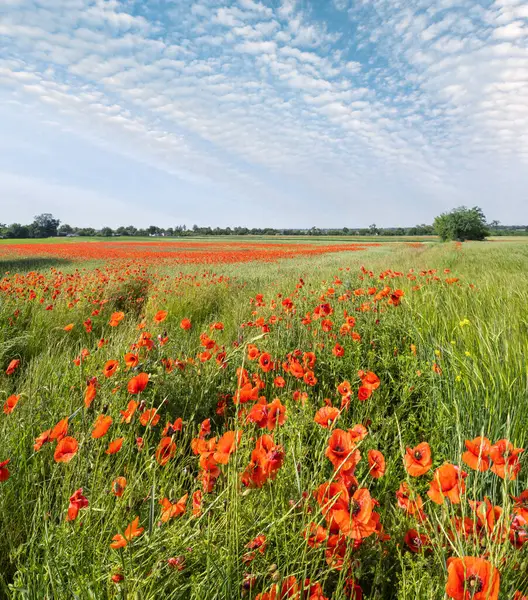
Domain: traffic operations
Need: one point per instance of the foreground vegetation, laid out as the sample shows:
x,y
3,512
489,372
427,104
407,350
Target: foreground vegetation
x,y
295,429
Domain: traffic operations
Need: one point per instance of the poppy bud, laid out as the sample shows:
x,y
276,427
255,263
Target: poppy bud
x,y
142,406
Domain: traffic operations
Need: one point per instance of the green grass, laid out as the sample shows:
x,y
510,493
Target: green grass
x,y
482,390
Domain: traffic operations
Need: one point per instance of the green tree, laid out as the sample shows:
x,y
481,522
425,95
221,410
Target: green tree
x,y
461,224
44,225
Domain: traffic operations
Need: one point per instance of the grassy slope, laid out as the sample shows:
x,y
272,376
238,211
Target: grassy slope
x,y
482,389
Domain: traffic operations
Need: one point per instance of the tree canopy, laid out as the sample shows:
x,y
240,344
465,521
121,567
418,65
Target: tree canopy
x,y
461,224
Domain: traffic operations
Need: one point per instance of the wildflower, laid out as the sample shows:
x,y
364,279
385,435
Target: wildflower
x,y
115,446
10,403
110,368
165,451
341,450
471,578
89,394
376,462
149,417
4,471
118,486
477,455
12,366
197,503
521,505
185,324
408,500
415,541
160,316
315,535
138,383
170,510
506,461
326,416
101,426
227,444
129,412
116,318
132,531
77,501
418,461
465,323
449,483
66,449
68,327
357,520
131,360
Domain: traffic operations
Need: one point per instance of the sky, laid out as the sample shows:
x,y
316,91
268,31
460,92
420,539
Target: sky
x,y
263,113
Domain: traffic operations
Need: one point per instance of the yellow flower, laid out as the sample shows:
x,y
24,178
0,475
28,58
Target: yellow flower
x,y
458,378
467,353
464,322
437,352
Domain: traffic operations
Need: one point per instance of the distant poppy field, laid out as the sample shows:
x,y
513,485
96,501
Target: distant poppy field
x,y
264,421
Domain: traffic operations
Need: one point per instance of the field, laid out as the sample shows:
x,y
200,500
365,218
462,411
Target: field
x,y
263,419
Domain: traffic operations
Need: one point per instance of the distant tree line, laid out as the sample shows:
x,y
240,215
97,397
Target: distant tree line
x,y
46,225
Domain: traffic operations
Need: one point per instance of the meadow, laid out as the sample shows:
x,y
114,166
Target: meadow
x,y
267,419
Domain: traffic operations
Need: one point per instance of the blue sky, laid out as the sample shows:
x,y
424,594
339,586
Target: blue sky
x,y
286,113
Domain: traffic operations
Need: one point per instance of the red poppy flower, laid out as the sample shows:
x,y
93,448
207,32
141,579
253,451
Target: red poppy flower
x,y
110,368
10,403
448,482
170,510
369,380
149,417
338,350
101,426
66,449
506,461
160,316
60,430
129,412
227,444
521,505
417,460
357,520
12,366
116,318
197,503
118,486
315,535
326,415
364,393
341,450
138,383
415,541
131,360
77,501
409,501
115,446
165,451
4,471
471,578
265,362
185,324
132,531
376,462
89,394
344,388
477,453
